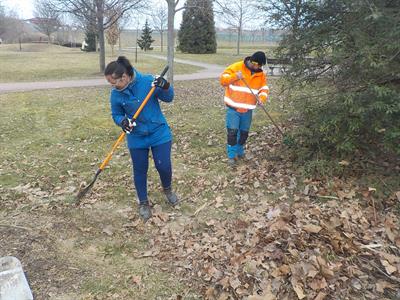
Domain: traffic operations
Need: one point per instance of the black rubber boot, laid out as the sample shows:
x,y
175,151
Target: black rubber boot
x,y
145,211
171,196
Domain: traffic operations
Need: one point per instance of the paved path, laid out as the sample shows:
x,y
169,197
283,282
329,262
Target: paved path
x,y
209,71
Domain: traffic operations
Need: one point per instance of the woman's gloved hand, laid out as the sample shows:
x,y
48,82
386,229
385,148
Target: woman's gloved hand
x,y
127,125
161,82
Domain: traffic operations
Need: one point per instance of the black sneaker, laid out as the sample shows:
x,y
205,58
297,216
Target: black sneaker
x,y
145,211
171,196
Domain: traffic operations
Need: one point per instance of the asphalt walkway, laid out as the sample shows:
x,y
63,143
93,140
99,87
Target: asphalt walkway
x,y
208,71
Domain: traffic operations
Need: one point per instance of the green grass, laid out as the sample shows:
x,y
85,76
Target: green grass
x,y
42,62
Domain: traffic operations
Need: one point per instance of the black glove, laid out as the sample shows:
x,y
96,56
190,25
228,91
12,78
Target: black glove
x,y
127,125
161,82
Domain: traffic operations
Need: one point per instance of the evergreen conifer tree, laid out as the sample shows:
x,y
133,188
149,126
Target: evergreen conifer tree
x,y
90,39
345,74
146,40
197,31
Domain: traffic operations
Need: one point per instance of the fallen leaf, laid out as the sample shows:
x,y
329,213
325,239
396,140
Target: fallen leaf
x,y
312,228
389,268
318,284
136,280
344,163
390,257
320,296
223,296
219,202
306,189
210,293
298,289
267,296
381,285
234,282
108,230
343,195
273,213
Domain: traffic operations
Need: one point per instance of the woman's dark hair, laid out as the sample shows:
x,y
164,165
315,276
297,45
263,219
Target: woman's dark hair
x,y
119,67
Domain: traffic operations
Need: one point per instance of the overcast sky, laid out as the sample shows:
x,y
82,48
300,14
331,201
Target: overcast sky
x,y
24,9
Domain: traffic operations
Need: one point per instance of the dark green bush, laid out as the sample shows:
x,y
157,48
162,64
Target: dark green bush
x,y
345,73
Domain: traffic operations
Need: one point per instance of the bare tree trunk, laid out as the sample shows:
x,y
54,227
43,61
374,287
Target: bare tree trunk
x,y
100,30
239,36
136,45
162,39
171,40
119,41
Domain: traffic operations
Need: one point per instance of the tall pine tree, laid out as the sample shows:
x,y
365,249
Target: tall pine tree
x,y
197,31
146,39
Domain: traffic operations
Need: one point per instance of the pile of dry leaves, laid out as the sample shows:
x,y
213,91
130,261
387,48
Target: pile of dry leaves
x,y
308,245
307,250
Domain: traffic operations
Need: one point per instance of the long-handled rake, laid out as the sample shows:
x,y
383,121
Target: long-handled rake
x,y
105,162
263,107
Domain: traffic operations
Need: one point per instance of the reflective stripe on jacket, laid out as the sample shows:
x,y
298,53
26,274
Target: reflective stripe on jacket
x,y
237,94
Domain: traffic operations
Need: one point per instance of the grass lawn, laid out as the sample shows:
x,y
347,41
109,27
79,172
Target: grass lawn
x,y
52,141
42,62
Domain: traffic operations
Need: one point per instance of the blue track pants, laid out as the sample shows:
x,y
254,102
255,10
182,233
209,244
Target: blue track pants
x,y
140,160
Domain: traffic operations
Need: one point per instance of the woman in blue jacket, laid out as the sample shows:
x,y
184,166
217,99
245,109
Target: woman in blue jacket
x,y
150,131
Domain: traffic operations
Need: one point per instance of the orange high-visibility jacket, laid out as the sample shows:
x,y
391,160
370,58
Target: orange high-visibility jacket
x,y
237,94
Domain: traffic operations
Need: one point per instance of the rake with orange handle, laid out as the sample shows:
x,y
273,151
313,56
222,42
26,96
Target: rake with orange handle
x,y
105,162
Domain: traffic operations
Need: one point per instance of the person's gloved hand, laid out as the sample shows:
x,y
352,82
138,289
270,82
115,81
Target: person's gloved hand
x,y
161,82
263,99
127,125
239,75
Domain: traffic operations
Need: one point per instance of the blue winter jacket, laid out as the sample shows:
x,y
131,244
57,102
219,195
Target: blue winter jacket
x,y
152,128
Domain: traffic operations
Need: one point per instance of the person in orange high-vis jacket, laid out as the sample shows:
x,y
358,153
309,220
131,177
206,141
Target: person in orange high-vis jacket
x,y
240,101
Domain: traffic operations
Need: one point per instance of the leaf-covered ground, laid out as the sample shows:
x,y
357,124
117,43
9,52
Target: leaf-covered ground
x,y
260,231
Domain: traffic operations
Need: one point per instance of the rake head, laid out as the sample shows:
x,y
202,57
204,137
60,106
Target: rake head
x,y
86,189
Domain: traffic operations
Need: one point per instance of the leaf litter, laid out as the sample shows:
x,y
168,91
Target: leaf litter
x,y
295,247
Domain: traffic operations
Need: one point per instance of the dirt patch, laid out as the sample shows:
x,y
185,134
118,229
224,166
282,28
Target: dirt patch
x,y
49,272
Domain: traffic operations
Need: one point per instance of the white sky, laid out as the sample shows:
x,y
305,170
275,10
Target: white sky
x,y
24,9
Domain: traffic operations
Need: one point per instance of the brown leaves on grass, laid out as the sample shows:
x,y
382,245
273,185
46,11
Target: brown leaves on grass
x,y
296,249
301,251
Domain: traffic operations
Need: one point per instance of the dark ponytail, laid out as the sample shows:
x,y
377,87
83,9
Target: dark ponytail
x,y
119,67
